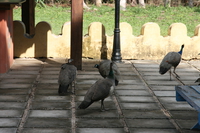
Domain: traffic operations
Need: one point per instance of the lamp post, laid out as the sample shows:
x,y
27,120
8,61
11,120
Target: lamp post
x,y
116,54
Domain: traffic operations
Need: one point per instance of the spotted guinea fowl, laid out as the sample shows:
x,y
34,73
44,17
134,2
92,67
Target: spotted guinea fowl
x,y
104,69
66,76
100,90
172,59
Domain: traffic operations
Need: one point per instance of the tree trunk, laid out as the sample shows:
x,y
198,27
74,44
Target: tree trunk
x,y
190,2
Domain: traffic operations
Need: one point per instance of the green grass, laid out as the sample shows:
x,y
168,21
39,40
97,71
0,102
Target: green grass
x,y
135,16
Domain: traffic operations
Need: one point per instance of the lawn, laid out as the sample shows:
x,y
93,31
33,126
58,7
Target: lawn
x,y
135,16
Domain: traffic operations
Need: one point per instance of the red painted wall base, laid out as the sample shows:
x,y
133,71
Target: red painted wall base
x,y
6,42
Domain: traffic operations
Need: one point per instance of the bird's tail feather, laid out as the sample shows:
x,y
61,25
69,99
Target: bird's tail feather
x,y
84,105
63,89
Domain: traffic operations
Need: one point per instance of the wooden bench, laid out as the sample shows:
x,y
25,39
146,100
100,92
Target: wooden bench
x,y
191,94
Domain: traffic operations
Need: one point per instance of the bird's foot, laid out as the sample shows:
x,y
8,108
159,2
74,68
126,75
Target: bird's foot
x,y
102,110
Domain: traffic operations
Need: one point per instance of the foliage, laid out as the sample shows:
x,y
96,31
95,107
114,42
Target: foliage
x,y
135,16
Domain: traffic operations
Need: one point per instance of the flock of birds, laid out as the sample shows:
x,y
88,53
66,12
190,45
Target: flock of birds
x,y
102,88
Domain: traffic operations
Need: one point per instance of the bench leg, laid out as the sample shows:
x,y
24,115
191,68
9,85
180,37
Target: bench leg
x,y
197,125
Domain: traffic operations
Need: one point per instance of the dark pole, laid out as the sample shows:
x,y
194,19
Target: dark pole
x,y
76,32
116,54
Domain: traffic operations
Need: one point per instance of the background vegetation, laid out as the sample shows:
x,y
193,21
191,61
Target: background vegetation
x,y
57,15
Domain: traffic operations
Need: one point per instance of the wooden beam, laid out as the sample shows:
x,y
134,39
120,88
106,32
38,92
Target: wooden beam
x,y
76,32
6,6
28,16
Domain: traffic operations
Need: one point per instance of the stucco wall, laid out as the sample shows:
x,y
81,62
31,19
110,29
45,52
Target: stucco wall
x,y
96,44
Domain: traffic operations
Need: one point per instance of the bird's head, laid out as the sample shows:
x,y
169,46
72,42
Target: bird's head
x,y
181,51
96,66
70,60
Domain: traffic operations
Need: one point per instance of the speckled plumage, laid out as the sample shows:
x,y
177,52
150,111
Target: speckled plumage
x,y
172,59
100,90
66,76
104,68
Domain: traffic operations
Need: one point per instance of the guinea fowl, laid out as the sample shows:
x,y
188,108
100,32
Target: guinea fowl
x,y
100,90
104,69
66,76
172,59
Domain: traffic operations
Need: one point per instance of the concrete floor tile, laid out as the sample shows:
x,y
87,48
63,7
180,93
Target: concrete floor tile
x,y
46,130
18,81
15,86
149,123
49,81
82,77
150,114
173,83
178,106
11,113
142,99
48,122
14,91
13,98
55,76
12,105
184,115
130,82
186,124
162,88
8,130
131,87
50,113
165,93
47,86
46,92
139,106
100,130
50,105
132,92
24,72
167,99
52,98
98,123
149,130
9,122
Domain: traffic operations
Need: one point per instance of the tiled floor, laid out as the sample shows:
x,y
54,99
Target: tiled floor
x,y
143,102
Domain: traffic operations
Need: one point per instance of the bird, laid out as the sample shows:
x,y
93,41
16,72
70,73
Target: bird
x,y
100,90
172,59
104,68
66,77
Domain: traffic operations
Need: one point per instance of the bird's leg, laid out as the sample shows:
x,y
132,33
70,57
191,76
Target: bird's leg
x,y
170,75
175,73
102,106
71,89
